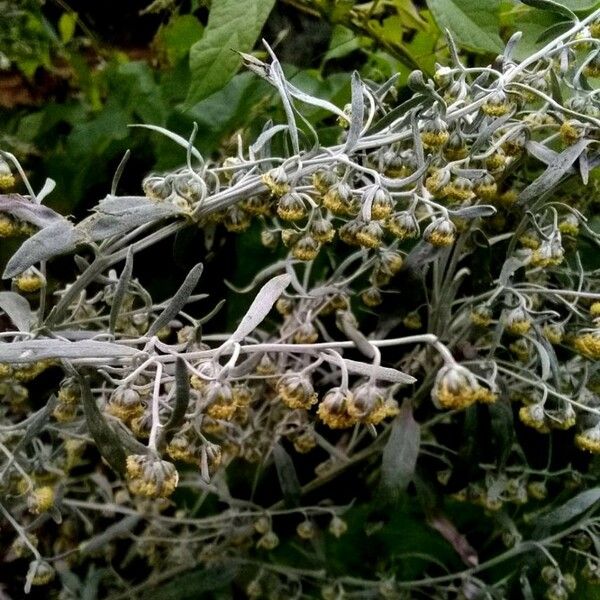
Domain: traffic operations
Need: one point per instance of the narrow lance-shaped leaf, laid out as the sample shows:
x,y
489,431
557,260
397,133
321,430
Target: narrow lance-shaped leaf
x,y
106,439
172,136
261,306
120,291
34,350
554,173
279,82
56,239
121,528
286,473
458,541
473,212
18,310
357,113
376,371
346,323
182,400
178,301
400,453
569,510
24,209
37,424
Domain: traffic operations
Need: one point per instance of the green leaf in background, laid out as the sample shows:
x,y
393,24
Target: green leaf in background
x,y
579,5
473,23
232,25
66,26
557,7
175,39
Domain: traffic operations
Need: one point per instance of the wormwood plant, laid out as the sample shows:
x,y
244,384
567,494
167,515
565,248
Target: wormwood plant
x,y
433,276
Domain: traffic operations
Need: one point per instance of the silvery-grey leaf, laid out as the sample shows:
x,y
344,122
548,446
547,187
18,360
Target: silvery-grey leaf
x,y
400,453
59,238
24,209
116,215
485,134
47,188
541,152
381,373
473,212
570,509
35,426
357,113
178,301
107,441
584,167
182,400
265,137
381,90
120,291
279,82
286,473
18,310
544,358
261,306
346,323
119,172
399,111
508,269
318,102
556,170
33,350
404,181
121,528
512,44
422,254
172,136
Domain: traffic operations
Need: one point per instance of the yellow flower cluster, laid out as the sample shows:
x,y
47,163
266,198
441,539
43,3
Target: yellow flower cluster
x,y
456,388
150,477
589,440
296,391
588,344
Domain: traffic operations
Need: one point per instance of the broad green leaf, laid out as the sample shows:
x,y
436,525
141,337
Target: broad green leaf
x,y
474,24
534,25
343,41
175,39
557,7
579,5
232,25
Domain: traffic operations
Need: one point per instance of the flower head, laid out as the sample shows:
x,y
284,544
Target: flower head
x,y
151,477
455,387
296,391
